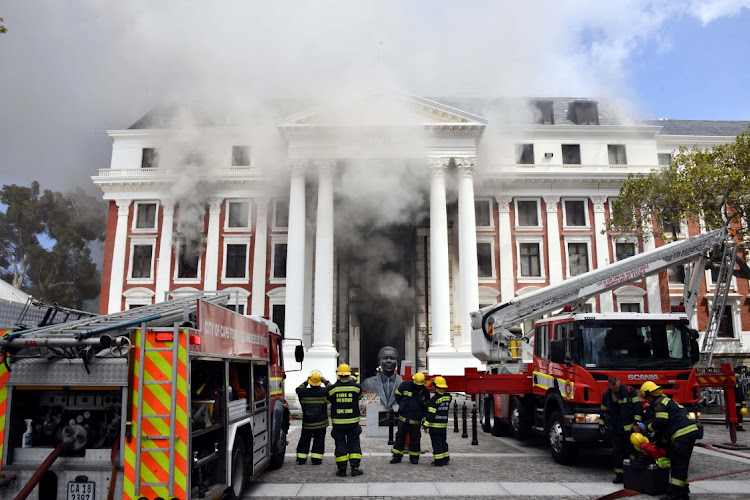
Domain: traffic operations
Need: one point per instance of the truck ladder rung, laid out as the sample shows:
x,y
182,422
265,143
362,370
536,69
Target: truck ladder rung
x,y
157,382
156,416
158,438
154,484
154,450
158,349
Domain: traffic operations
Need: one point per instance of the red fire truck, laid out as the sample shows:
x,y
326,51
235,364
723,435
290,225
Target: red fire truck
x,y
181,399
551,380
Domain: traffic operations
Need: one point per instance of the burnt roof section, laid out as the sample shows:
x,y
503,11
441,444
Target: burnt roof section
x,y
699,127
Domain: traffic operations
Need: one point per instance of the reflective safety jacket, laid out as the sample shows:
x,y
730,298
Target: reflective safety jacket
x,y
438,409
314,405
344,399
739,396
671,420
412,401
620,409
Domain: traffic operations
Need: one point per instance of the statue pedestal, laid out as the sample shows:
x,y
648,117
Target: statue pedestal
x,y
376,412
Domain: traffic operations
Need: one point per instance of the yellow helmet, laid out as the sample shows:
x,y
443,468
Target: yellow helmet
x,y
743,411
440,382
637,439
418,378
314,378
344,370
650,389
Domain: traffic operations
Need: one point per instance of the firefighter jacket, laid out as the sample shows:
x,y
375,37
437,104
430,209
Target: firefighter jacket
x,y
344,399
412,401
671,420
438,409
739,396
314,405
620,409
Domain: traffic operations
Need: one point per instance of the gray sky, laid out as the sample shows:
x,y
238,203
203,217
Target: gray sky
x,y
71,70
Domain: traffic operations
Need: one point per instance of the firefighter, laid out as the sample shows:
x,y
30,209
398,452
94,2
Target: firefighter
x,y
344,398
412,398
436,422
739,401
675,430
621,407
312,397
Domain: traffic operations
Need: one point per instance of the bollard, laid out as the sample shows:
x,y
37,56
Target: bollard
x,y
455,416
474,439
465,433
390,426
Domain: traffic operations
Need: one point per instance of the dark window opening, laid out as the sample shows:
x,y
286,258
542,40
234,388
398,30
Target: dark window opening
x,y
482,213
575,214
525,154
530,263
238,214
187,265
279,260
583,113
142,261
616,154
236,261
624,250
664,158
676,275
146,216
240,156
281,216
571,154
726,325
629,307
149,158
578,253
528,213
484,259
278,311
544,113
239,309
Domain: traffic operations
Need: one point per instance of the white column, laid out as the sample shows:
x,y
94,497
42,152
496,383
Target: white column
x,y
118,257
164,269
323,308
553,240
467,248
602,248
439,280
258,304
295,258
653,291
210,282
507,269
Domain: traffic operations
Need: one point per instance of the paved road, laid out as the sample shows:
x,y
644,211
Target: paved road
x,y
497,467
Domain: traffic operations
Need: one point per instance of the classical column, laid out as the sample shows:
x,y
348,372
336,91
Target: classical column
x,y
553,240
295,258
467,248
210,282
440,317
118,257
602,248
258,304
164,269
507,270
323,308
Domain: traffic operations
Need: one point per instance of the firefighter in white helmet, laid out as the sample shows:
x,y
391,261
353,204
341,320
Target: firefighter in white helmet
x,y
436,422
412,398
344,398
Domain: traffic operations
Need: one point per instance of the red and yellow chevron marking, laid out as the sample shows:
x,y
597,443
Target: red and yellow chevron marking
x,y
157,400
718,380
3,402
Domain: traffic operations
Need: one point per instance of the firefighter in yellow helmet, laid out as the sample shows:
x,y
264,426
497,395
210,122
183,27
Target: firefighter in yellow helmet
x,y
344,398
312,398
740,401
620,409
676,431
436,422
412,398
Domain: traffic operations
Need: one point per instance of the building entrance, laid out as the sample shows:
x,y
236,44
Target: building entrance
x,y
376,331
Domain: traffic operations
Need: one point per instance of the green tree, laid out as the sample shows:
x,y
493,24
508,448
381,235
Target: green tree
x,y
45,243
707,185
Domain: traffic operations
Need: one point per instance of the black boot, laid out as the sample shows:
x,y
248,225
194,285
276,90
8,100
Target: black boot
x,y
356,471
317,461
341,472
437,463
618,478
396,459
414,459
301,461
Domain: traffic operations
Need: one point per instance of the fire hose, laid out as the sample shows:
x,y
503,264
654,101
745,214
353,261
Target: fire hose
x,y
59,450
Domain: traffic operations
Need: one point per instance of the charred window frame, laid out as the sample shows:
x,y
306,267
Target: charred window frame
x,y
584,112
616,153
571,154
149,158
544,114
188,260
524,154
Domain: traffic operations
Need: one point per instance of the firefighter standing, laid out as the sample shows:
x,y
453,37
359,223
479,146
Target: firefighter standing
x,y
673,425
412,398
739,401
436,422
621,406
344,398
314,418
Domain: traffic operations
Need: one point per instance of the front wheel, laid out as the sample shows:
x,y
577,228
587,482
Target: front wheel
x,y
519,420
497,426
278,450
564,452
239,469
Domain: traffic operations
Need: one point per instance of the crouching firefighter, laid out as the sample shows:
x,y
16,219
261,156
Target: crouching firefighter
x,y
412,398
344,398
436,422
621,407
675,430
312,398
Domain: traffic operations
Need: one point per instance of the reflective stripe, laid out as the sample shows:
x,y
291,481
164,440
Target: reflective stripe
x,y
345,388
355,456
432,409
414,453
316,455
397,452
411,422
627,427
601,422
439,456
604,407
636,399
408,394
312,401
343,421
315,425
342,458
435,425
684,430
302,455
678,482
662,414
638,418
618,471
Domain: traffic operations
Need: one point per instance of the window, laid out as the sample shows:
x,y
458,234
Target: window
x,y
664,158
240,156
188,258
525,154
676,275
527,212
571,154
278,311
482,213
578,258
575,213
149,158
726,325
541,341
484,259
239,309
281,214
544,113
141,267
623,250
145,216
238,214
629,307
529,256
279,260
583,113
236,261
616,154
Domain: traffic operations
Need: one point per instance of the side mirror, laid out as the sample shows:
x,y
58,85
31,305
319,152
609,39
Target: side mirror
x,y
557,351
299,354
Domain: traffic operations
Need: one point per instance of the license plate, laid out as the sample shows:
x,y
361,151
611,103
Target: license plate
x,y
81,491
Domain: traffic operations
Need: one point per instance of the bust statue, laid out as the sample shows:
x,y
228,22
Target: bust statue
x,y
385,383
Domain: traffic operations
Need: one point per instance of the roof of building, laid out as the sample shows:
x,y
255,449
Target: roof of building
x,y
700,127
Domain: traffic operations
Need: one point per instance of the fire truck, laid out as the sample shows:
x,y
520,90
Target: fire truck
x,y
177,400
550,381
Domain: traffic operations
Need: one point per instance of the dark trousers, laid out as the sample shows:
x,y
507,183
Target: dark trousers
x,y
439,438
620,445
318,437
682,449
414,436
346,439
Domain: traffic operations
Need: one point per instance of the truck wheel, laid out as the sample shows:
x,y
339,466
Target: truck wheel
x,y
485,414
497,426
239,469
564,452
519,420
278,450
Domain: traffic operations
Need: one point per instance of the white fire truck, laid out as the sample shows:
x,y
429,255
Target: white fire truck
x,y
177,400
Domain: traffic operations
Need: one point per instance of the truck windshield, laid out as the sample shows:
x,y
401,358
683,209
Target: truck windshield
x,y
624,344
